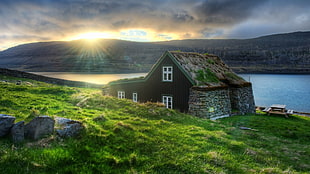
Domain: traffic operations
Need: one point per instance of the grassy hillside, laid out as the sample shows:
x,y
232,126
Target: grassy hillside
x,y
126,137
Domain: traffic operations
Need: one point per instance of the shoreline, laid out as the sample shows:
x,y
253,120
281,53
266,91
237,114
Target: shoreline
x,y
261,108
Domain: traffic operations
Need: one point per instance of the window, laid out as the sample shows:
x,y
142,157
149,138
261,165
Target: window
x,y
135,97
120,94
167,100
167,73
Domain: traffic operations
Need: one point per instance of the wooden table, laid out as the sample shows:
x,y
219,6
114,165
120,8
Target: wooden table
x,y
278,109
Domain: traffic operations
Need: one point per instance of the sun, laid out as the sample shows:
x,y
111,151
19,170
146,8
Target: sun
x,y
94,36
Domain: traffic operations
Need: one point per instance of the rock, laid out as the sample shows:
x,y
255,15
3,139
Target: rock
x,y
60,122
245,128
18,82
39,127
17,132
6,122
67,127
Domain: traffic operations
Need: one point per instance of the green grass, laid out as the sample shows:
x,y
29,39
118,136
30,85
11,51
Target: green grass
x,y
210,61
207,76
125,137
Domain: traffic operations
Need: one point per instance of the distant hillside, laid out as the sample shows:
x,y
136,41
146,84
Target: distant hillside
x,y
280,53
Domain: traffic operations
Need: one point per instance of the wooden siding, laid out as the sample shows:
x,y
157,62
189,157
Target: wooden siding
x,y
154,87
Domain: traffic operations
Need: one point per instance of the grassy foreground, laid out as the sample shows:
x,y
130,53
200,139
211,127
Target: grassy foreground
x,y
126,137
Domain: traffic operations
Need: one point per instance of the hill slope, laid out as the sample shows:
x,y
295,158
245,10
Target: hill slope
x,y
282,53
125,137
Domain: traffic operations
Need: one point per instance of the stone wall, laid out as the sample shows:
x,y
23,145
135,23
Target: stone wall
x,y
21,74
206,103
242,99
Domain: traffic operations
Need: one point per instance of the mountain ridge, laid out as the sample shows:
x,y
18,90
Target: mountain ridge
x,y
278,53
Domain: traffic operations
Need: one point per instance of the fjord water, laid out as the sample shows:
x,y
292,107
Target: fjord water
x,y
268,89
291,90
90,78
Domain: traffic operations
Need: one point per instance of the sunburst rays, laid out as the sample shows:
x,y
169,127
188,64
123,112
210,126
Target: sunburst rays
x,y
92,56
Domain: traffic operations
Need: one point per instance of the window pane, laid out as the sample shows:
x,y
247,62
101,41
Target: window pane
x,y
167,101
135,97
120,94
167,73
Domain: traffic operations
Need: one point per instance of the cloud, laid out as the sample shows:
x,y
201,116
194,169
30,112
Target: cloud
x,y
162,19
274,17
226,12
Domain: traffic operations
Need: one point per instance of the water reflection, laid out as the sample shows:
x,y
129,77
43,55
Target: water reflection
x,y
91,78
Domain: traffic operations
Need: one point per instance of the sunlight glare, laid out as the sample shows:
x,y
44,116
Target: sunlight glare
x,y
140,35
95,35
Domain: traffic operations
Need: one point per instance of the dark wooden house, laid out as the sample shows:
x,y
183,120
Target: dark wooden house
x,y
198,84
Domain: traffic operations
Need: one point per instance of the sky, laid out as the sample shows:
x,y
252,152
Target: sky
x,y
25,21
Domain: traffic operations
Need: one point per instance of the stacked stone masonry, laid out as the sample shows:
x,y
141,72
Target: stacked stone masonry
x,y
217,103
242,99
209,104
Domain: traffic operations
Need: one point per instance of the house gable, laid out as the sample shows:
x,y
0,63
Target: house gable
x,y
168,55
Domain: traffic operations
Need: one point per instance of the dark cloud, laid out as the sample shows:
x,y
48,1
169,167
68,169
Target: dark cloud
x,y
54,19
274,16
182,16
226,11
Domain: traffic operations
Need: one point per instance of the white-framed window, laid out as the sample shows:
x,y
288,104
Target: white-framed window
x,y
135,97
168,101
120,94
167,73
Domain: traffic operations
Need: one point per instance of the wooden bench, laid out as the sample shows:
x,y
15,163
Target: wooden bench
x,y
290,112
266,109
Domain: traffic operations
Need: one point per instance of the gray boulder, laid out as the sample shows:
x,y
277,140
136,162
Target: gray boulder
x,y
67,127
17,132
6,122
39,127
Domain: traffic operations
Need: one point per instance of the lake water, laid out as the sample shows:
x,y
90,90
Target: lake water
x,y
90,78
268,89
291,90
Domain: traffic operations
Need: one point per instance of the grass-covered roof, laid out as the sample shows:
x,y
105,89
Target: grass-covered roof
x,y
202,70
207,70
